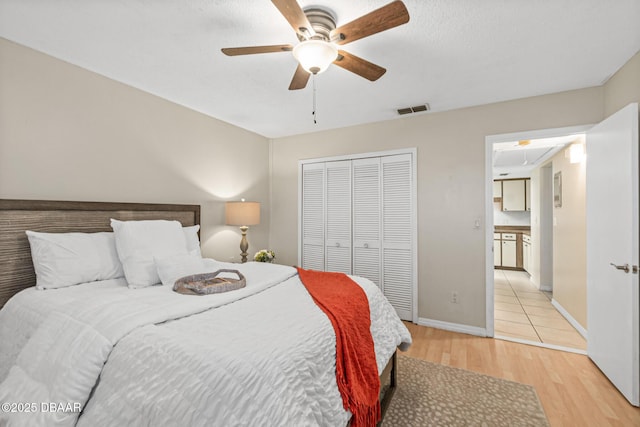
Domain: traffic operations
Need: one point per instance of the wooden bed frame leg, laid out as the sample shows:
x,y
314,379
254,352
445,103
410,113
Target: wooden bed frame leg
x,y
386,399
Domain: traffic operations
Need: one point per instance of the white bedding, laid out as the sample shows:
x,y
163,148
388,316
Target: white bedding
x,y
264,356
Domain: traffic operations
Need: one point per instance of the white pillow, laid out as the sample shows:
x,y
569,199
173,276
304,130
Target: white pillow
x,y
139,242
193,242
65,259
172,268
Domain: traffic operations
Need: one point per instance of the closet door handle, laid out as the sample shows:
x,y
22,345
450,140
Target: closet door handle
x,y
366,246
337,244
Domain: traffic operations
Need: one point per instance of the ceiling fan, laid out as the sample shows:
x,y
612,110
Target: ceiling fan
x,y
319,37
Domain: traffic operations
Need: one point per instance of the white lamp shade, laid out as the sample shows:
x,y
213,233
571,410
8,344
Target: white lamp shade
x,y
315,56
242,213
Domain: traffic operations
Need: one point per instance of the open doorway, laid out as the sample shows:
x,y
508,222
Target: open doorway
x,y
531,297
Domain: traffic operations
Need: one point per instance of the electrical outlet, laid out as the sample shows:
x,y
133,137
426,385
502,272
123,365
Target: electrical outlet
x,y
454,297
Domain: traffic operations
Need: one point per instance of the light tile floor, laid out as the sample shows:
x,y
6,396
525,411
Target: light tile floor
x,y
522,311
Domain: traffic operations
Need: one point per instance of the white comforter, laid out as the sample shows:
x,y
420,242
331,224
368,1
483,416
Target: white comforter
x,y
264,356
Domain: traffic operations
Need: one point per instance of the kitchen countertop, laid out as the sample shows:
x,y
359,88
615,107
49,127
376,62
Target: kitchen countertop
x,y
512,229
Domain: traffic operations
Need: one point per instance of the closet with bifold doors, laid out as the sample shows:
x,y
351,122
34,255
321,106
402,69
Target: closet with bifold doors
x,y
358,216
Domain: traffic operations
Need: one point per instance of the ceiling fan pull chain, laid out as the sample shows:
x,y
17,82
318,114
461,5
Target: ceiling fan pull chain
x,y
314,99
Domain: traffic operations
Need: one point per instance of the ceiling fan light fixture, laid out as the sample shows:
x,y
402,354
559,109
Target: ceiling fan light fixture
x,y
319,38
315,56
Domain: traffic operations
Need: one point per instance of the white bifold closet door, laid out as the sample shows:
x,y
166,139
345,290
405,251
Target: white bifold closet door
x,y
397,233
366,219
313,185
338,214
358,218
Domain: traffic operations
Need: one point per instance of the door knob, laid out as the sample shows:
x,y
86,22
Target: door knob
x,y
366,246
624,268
337,244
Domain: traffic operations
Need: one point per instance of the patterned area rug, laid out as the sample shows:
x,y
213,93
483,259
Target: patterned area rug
x,y
430,394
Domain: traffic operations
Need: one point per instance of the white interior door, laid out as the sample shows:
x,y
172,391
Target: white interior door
x,y
612,238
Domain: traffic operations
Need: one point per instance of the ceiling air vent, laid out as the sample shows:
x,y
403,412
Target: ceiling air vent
x,y
416,109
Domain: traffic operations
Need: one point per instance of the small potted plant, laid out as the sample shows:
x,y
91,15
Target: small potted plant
x,y
264,255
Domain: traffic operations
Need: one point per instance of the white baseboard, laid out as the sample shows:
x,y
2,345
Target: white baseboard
x,y
541,344
453,327
547,288
570,318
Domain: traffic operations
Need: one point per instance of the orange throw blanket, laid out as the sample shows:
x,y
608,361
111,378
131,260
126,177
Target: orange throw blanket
x,y
346,305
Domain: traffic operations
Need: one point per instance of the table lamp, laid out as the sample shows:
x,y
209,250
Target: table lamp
x,y
243,214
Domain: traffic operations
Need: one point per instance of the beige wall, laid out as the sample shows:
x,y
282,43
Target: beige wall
x,y
67,133
569,230
541,261
570,238
70,134
623,87
535,232
451,185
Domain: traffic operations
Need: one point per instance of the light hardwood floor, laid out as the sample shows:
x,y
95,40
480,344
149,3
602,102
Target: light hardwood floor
x,y
572,390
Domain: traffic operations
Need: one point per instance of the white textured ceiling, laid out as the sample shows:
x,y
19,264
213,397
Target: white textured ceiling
x,y
513,159
451,54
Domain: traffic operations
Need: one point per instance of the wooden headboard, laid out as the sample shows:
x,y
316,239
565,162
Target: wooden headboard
x,y
16,216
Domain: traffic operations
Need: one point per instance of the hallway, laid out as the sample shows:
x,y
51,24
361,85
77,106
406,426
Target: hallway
x,y
523,312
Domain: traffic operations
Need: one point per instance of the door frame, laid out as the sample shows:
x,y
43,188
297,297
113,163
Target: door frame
x,y
488,170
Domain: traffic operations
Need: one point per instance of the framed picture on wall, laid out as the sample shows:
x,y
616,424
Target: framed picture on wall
x,y
557,189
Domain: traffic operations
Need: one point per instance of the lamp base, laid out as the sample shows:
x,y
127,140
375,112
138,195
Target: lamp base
x,y
244,244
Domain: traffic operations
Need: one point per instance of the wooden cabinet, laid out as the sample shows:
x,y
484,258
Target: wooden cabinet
x,y
509,250
497,189
526,252
497,250
515,194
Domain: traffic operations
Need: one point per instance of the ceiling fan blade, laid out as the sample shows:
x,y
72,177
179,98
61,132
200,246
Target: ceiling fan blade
x,y
250,50
300,79
389,16
294,14
359,66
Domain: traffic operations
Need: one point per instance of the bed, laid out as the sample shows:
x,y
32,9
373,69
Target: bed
x,y
100,353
